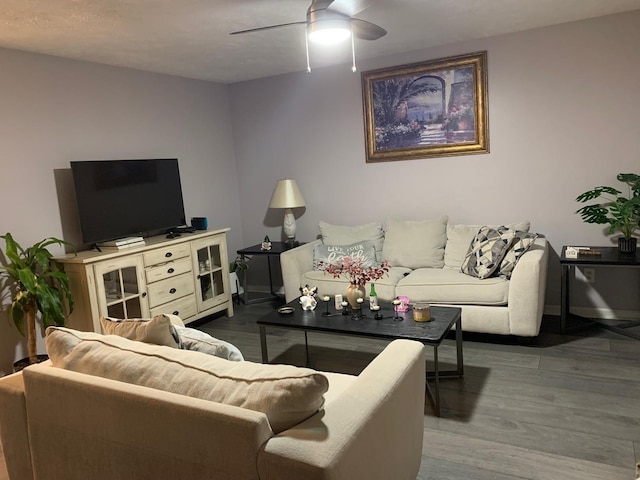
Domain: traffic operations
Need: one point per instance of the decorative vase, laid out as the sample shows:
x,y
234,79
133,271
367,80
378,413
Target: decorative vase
x,y
627,245
353,293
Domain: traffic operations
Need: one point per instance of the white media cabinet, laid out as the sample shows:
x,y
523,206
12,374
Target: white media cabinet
x,y
187,276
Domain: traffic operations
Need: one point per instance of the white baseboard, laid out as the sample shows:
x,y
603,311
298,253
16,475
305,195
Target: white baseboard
x,y
595,312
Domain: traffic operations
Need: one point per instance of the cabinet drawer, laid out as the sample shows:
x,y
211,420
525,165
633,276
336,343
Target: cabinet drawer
x,y
168,290
161,255
184,307
168,270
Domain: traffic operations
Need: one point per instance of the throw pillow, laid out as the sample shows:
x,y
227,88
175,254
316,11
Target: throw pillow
x,y
459,238
287,395
158,330
521,243
486,251
415,244
198,341
323,255
343,235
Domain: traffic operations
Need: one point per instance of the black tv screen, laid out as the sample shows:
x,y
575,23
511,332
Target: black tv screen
x,y
124,198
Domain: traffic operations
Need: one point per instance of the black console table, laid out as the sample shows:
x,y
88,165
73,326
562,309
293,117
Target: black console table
x,y
609,257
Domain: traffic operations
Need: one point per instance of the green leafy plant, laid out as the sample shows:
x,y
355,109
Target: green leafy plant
x,y
238,264
38,284
621,210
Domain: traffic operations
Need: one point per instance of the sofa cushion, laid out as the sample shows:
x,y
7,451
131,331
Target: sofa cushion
x,y
521,243
415,244
344,235
450,287
328,285
486,251
323,255
459,238
286,394
158,330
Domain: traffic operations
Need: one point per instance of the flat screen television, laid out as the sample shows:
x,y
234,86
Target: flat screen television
x,y
124,198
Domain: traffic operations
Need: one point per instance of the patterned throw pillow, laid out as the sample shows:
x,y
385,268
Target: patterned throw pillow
x,y
487,250
323,255
521,243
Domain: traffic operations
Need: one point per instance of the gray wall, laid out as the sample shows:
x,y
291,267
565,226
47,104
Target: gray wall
x,y
56,110
563,107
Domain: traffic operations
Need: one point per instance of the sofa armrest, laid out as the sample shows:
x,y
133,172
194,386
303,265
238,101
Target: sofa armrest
x,y
13,427
294,263
373,429
527,289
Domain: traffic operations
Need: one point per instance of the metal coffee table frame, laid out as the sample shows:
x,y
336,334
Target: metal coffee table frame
x,y
336,323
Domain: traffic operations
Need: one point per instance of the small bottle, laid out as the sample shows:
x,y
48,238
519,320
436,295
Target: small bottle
x,y
373,297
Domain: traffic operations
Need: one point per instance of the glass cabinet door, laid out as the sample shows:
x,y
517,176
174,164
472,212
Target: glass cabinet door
x,y
212,277
121,291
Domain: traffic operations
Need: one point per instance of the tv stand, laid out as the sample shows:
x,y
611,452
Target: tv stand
x,y
186,276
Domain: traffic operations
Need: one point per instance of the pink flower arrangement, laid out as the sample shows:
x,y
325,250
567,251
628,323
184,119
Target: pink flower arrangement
x,y
352,269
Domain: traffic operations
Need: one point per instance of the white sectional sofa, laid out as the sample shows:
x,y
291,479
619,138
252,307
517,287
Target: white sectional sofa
x,y
426,259
108,407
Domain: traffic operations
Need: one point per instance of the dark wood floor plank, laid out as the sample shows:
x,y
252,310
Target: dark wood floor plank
x,y
562,407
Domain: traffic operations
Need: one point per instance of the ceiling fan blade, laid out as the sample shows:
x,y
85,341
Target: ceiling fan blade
x,y
366,30
349,7
319,5
259,29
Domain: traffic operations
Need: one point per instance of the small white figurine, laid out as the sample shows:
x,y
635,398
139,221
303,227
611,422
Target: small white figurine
x,y
308,297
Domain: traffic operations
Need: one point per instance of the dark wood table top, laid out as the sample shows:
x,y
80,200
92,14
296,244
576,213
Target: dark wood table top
x,y
433,332
276,249
609,256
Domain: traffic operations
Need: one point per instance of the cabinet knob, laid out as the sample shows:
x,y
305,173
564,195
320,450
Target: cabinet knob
x,y
173,290
168,254
144,294
176,312
171,270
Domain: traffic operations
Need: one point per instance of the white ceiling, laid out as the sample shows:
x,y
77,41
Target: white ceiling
x,y
190,38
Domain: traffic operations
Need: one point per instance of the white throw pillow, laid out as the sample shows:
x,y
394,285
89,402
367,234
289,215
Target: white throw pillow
x,y
158,330
459,238
198,341
324,255
344,235
415,244
287,395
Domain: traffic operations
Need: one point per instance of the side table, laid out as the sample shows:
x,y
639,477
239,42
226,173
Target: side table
x,y
276,249
609,257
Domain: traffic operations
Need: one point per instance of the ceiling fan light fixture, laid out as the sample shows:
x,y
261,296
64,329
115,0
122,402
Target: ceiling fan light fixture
x,y
330,31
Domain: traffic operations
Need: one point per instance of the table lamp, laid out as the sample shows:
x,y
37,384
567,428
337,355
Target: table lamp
x,y
287,195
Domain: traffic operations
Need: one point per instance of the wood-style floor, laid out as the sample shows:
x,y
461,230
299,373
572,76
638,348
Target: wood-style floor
x,y
566,407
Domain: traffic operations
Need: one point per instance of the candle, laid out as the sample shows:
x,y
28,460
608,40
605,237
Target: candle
x,y
375,308
345,303
396,302
326,298
360,300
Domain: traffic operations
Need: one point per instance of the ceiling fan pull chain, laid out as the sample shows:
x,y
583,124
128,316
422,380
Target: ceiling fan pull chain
x,y
353,51
306,46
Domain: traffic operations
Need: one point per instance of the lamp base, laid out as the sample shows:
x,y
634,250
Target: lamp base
x,y
291,243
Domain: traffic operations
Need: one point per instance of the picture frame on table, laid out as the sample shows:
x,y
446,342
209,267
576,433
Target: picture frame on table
x,y
430,109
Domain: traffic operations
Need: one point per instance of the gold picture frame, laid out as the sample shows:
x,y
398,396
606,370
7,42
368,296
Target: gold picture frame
x,y
430,109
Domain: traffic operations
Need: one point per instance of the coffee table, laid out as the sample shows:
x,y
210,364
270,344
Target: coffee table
x,y
392,326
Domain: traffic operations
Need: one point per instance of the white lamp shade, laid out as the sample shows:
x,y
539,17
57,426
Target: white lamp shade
x,y
286,195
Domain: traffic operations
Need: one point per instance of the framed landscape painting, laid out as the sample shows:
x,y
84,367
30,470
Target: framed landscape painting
x,y
429,109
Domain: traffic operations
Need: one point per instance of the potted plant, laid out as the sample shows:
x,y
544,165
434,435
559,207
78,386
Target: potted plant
x,y
37,284
237,264
621,210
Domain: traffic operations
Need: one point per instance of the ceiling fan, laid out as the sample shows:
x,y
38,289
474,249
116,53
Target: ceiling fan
x,y
331,21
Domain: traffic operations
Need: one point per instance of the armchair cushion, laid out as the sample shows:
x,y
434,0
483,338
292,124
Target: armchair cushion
x,y
285,394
